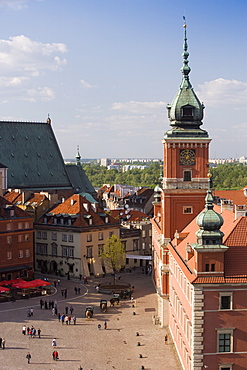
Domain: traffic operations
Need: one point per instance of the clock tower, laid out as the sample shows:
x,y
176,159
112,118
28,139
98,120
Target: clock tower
x,y
186,145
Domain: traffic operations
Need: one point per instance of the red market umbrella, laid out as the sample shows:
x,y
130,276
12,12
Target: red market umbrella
x,y
12,281
40,282
23,285
3,289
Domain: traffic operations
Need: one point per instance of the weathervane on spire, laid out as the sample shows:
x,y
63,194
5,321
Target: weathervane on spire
x,y
184,22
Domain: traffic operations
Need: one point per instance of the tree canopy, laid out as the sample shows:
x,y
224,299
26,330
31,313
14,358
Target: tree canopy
x,y
113,253
229,176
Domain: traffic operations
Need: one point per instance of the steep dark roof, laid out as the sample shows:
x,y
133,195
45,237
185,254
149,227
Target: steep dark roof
x,y
31,153
79,179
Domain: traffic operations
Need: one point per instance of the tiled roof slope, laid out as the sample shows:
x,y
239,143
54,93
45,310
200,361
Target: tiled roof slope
x,y
237,196
78,206
31,153
5,207
16,198
130,216
235,257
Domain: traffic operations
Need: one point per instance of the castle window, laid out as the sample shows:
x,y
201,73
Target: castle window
x,y
226,301
213,267
187,210
207,267
225,367
187,175
225,340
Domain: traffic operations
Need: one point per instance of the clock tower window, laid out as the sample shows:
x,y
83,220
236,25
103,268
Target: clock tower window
x,y
187,175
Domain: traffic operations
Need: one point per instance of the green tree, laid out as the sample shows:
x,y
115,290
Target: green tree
x,y
113,254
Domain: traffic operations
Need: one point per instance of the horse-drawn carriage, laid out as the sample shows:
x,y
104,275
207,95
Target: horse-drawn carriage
x,y
127,293
103,305
89,312
114,299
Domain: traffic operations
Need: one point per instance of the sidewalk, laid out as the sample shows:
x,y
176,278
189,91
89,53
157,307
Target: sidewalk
x,y
84,344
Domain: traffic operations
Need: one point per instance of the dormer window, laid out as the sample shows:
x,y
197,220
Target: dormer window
x,y
187,112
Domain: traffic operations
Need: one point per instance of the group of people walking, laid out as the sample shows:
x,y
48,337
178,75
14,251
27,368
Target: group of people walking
x,y
31,331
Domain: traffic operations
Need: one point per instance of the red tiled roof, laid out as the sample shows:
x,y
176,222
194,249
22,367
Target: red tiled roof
x,y
80,206
134,215
235,257
237,196
13,196
5,214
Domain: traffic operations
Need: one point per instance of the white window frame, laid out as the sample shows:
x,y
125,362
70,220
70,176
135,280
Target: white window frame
x,y
64,237
71,238
27,253
185,208
20,254
223,366
225,294
9,255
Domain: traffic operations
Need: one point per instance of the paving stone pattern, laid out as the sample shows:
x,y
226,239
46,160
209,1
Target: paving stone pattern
x,y
84,344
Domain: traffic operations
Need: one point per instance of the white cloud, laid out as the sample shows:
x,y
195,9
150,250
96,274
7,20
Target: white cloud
x,y
139,107
13,4
21,54
224,92
86,85
13,81
40,94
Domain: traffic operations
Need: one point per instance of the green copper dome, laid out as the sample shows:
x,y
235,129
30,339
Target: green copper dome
x,y
209,223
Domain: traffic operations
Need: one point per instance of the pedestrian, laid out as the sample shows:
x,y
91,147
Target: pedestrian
x,y
3,343
55,303
53,355
66,310
80,276
41,302
62,292
75,289
71,310
46,305
54,342
56,356
31,311
65,293
78,290
66,320
58,282
59,317
105,325
39,332
55,283
34,333
24,329
69,319
28,356
53,311
55,308
28,312
74,320
62,318
99,326
166,339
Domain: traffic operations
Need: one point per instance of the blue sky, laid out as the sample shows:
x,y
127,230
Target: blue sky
x,y
105,69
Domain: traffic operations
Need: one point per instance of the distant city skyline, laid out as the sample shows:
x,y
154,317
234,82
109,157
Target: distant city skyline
x,y
104,71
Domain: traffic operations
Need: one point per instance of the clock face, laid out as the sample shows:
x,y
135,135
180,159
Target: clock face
x,y
187,156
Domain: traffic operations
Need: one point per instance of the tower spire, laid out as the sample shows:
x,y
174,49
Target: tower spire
x,y
78,157
185,69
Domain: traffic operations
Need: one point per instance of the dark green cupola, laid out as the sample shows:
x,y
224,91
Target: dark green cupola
x,y
209,221
186,111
